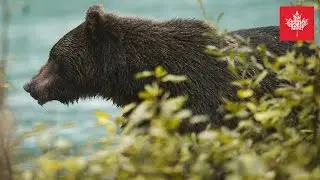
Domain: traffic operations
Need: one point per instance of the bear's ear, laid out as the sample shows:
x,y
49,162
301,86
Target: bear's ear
x,y
100,25
94,17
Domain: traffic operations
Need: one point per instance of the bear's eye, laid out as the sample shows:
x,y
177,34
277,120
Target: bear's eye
x,y
67,70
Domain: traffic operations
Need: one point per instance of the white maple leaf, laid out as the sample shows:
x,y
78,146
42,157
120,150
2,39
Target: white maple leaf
x,y
296,23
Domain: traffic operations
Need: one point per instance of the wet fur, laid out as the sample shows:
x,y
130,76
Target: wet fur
x,y
101,56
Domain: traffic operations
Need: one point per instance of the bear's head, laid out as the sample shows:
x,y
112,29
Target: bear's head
x,y
75,64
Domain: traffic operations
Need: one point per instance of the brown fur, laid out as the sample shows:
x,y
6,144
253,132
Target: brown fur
x,y
102,54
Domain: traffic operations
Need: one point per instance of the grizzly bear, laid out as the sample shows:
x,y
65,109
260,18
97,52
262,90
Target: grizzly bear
x,y
101,56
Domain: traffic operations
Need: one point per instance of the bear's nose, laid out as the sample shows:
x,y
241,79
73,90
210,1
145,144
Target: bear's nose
x,y
26,87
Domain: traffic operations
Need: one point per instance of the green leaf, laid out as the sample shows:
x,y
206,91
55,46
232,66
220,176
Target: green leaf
x,y
174,78
308,90
251,106
245,49
144,74
232,106
145,95
245,93
150,91
174,104
267,115
242,82
198,119
160,72
102,118
111,128
128,108
214,52
260,77
183,114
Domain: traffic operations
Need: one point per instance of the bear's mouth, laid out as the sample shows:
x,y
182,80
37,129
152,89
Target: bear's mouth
x,y
42,102
52,94
39,97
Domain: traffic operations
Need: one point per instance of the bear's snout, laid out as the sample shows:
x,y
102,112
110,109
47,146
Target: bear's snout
x,y
30,88
35,92
26,87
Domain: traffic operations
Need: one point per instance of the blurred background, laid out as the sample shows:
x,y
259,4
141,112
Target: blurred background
x,y
35,26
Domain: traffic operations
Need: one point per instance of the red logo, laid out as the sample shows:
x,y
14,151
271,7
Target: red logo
x,y
296,23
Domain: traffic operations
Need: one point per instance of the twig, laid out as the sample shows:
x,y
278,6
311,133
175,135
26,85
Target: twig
x,y
204,13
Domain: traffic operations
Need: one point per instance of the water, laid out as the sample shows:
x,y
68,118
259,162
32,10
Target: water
x,y
33,35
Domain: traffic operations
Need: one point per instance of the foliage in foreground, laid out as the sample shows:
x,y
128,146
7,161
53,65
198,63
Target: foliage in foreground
x,y
277,137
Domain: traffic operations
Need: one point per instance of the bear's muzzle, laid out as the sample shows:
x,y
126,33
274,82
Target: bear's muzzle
x,y
29,88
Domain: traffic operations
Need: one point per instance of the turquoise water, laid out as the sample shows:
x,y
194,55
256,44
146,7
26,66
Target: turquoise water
x,y
33,35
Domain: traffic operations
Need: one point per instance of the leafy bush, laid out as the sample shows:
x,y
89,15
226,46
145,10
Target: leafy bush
x,y
277,137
